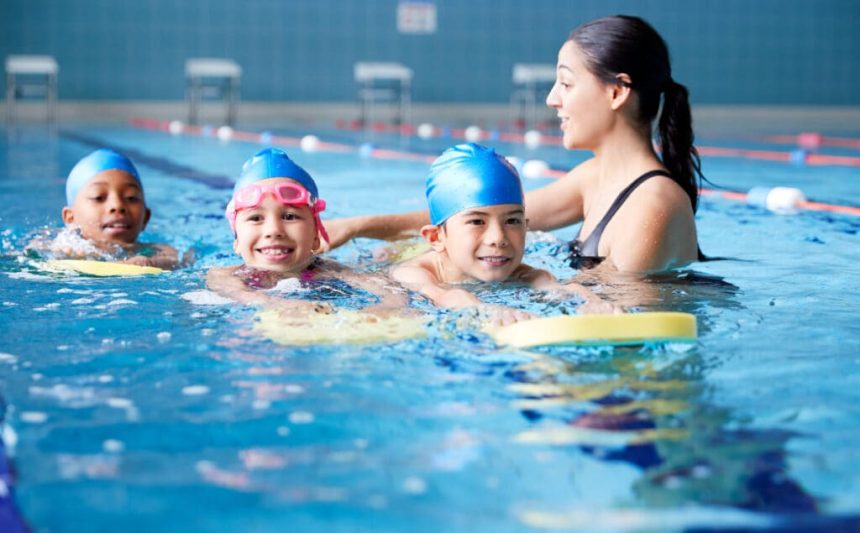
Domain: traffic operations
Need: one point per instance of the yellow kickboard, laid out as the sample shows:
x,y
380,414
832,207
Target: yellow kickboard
x,y
623,329
99,268
342,327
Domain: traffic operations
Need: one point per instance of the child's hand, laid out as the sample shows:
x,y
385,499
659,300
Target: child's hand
x,y
499,315
597,306
302,307
139,260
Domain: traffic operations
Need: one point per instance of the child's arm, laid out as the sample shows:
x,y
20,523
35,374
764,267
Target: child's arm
x,y
224,281
420,279
391,299
542,280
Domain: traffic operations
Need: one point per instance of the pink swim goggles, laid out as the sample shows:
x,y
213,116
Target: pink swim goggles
x,y
290,194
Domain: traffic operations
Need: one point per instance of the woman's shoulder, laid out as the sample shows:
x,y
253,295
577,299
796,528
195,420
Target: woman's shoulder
x,y
662,193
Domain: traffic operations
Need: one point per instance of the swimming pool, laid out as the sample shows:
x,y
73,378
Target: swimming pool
x,y
136,405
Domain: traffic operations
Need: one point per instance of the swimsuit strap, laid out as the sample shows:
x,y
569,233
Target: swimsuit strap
x,y
589,246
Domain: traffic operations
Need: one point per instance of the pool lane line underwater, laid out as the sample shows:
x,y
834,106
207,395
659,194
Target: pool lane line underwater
x,y
380,153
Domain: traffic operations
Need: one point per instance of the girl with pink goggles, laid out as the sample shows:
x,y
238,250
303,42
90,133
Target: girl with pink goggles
x,y
286,193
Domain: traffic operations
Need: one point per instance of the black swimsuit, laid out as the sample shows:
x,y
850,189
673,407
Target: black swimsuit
x,y
583,254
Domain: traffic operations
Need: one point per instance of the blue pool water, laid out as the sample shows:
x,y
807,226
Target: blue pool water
x,y
136,404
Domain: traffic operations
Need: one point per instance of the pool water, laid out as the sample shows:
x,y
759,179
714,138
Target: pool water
x,y
141,404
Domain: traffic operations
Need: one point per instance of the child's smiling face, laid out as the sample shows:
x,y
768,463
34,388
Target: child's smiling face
x,y
277,237
485,243
109,209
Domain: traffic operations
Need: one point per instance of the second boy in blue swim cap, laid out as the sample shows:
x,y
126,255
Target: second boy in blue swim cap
x,y
477,233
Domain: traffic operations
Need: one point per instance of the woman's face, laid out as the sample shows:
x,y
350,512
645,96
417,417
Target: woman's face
x,y
581,100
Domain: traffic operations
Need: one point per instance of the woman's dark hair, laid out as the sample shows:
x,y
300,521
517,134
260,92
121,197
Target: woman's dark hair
x,y
629,45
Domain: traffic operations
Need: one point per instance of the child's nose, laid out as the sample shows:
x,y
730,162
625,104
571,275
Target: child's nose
x,y
273,228
495,235
117,205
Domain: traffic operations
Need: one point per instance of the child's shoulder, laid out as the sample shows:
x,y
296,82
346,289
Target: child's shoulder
x,y
419,268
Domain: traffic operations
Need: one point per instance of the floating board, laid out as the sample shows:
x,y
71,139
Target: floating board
x,y
593,330
98,268
342,327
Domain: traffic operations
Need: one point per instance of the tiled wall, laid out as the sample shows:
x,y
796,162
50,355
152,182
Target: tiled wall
x,y
727,51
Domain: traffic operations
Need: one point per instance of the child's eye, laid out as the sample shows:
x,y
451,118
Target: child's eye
x,y
98,198
254,218
289,216
132,198
515,221
475,222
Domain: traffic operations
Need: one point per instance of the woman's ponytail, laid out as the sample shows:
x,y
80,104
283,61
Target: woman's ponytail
x,y
676,139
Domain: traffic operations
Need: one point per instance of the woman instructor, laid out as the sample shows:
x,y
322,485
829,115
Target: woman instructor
x,y
636,207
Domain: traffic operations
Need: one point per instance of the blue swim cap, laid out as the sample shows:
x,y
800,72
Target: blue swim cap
x,y
96,162
470,175
274,163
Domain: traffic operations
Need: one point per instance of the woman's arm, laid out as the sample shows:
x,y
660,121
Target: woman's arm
x,y
384,227
560,203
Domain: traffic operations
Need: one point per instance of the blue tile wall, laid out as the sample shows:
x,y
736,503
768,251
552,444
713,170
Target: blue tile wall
x,y
761,52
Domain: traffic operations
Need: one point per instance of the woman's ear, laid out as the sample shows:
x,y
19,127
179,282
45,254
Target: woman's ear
x,y
68,216
620,91
434,236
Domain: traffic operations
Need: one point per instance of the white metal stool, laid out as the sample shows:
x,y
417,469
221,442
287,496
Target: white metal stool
x,y
211,77
384,82
532,81
27,74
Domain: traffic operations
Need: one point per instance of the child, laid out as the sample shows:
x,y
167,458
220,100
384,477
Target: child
x,y
477,233
274,215
106,205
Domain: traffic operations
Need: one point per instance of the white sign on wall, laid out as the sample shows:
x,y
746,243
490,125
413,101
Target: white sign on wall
x,y
416,16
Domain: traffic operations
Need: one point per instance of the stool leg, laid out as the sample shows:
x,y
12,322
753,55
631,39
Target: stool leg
x,y
233,101
10,97
191,96
52,98
362,98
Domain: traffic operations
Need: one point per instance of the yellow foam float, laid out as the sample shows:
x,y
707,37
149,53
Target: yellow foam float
x,y
98,268
342,327
594,330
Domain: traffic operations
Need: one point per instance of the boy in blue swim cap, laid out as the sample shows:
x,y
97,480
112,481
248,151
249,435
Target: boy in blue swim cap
x,y
477,233
274,215
106,203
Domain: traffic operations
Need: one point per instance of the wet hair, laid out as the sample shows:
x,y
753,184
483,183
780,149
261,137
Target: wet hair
x,y
629,45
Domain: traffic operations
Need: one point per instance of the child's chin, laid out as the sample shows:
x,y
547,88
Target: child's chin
x,y
113,240
271,267
492,277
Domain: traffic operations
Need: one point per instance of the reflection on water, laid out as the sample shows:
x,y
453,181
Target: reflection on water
x,y
651,408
